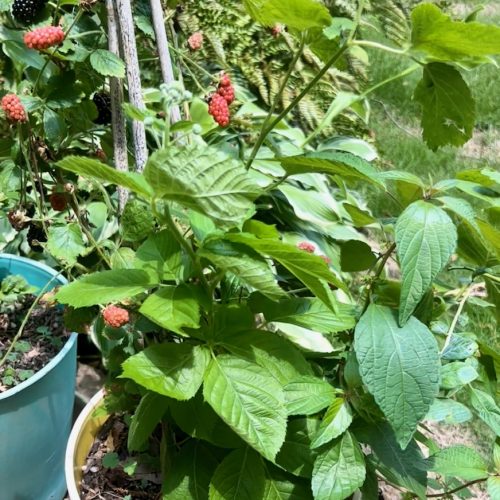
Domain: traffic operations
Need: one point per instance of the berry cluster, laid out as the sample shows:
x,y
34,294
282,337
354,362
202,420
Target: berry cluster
x,y
25,11
44,37
13,108
219,103
102,102
195,41
219,109
115,316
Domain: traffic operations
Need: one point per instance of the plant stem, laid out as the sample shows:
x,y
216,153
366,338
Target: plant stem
x,y
377,274
458,488
265,130
461,305
25,320
375,45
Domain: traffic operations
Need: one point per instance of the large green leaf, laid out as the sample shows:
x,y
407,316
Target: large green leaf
x,y
308,268
197,419
173,308
240,476
296,455
308,395
270,351
426,238
458,462
346,165
486,408
148,413
66,242
448,109
174,370
356,256
406,468
493,486
93,169
105,287
282,486
399,365
246,264
339,470
107,64
449,412
297,14
336,420
190,473
307,340
442,38
307,313
250,400
160,254
205,180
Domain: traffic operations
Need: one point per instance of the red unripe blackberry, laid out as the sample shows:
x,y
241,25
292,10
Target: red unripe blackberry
x,y
102,102
195,41
219,109
25,11
306,246
44,37
58,202
227,93
327,260
225,80
13,108
115,316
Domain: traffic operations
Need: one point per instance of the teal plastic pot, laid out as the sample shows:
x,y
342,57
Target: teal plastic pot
x,y
35,416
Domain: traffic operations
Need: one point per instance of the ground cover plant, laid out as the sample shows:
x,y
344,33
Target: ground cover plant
x,y
266,335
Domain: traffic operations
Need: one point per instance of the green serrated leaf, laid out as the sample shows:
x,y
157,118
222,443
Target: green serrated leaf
x,y
249,400
296,455
282,486
308,268
270,351
297,14
399,365
54,126
346,165
107,64
174,370
487,410
308,395
405,468
356,256
246,264
66,242
458,462
448,411
146,417
425,240
87,167
240,476
448,109
205,180
105,287
307,313
190,473
442,38
339,470
360,218
336,420
173,308
197,419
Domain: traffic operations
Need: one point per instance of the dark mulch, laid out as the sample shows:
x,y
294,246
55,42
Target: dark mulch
x,y
43,337
102,482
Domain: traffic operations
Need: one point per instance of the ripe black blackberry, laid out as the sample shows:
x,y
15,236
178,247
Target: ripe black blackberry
x,y
25,11
102,101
